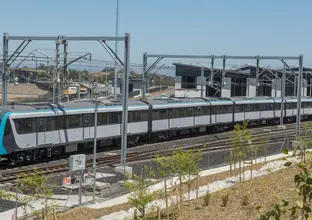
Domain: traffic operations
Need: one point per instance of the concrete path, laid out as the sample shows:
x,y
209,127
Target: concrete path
x,y
60,200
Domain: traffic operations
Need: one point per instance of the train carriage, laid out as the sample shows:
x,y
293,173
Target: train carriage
x,y
33,131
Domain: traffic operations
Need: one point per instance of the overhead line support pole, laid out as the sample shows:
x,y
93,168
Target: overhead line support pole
x,y
65,73
144,76
282,95
202,72
212,72
5,69
125,92
223,73
257,75
95,139
57,65
299,97
116,51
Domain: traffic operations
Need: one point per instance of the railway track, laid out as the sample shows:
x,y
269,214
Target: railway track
x,y
214,143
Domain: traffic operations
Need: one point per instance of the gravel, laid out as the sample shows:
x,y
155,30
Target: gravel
x,y
6,205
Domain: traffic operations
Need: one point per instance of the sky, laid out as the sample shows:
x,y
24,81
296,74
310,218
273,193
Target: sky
x,y
199,27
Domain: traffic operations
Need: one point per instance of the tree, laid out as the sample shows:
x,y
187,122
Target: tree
x,y
305,142
35,186
241,139
165,170
184,163
140,192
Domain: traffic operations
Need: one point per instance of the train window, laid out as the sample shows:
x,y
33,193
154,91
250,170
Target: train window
x,y
277,106
171,113
60,122
41,124
294,105
134,116
114,117
74,121
261,107
205,110
102,119
212,110
218,109
303,105
144,115
7,129
159,114
50,123
24,126
230,109
239,108
254,107
200,111
269,107
188,112
248,108
179,113
88,120
288,106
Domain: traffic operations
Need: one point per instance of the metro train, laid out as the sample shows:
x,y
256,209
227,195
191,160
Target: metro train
x,y
30,132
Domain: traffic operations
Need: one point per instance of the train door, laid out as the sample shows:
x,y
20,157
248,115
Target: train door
x,y
171,118
42,130
88,126
197,115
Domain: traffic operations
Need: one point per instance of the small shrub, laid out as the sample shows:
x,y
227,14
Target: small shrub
x,y
245,200
225,199
207,198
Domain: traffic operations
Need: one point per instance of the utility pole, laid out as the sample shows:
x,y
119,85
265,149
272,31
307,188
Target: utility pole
x,y
282,95
299,97
5,69
116,50
79,74
57,74
123,168
65,73
202,82
95,139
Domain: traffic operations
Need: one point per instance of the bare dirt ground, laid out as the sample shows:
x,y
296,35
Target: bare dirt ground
x,y
27,89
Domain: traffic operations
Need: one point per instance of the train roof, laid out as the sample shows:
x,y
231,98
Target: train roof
x,y
258,99
82,104
176,102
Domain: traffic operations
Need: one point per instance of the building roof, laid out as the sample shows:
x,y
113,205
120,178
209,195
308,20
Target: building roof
x,y
195,71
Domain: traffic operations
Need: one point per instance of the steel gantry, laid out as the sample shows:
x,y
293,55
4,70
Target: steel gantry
x,y
212,58
59,40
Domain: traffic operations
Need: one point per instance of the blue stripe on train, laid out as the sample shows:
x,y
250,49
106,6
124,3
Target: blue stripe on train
x,y
2,127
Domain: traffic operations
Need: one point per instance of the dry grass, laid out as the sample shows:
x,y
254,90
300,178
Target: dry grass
x,y
85,213
262,192
203,181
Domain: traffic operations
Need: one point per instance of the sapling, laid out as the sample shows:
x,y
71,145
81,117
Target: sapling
x,y
241,138
225,199
140,193
36,186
